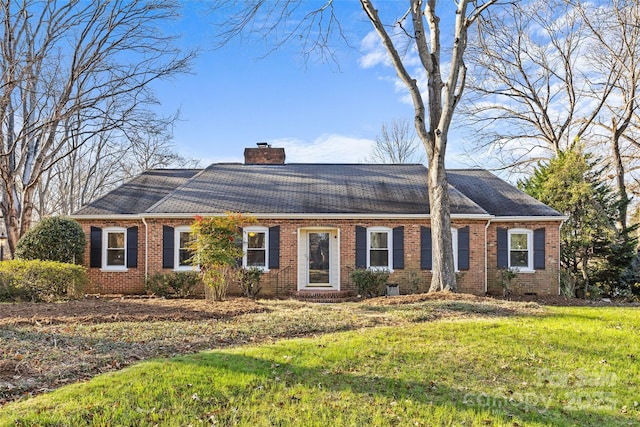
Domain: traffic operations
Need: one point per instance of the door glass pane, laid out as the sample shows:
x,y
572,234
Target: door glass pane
x,y
319,258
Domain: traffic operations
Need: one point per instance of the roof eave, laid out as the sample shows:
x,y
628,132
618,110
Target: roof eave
x,y
530,218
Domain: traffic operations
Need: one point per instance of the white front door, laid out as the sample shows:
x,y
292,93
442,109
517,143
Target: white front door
x,y
318,259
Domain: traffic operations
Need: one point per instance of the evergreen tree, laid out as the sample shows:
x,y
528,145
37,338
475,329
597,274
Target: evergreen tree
x,y
593,250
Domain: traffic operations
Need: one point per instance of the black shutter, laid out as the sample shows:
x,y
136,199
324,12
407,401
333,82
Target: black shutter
x,y
241,244
168,246
398,248
463,248
538,249
274,247
503,248
425,248
132,247
95,247
361,247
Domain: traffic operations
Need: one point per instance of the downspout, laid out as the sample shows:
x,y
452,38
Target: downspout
x,y
486,259
146,248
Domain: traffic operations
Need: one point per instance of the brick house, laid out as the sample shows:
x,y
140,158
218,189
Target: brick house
x,y
319,222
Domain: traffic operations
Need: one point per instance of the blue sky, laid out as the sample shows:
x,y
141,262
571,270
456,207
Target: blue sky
x,y
317,112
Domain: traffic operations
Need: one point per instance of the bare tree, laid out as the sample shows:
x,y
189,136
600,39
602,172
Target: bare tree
x,y
615,52
397,143
106,161
550,73
415,29
529,98
71,70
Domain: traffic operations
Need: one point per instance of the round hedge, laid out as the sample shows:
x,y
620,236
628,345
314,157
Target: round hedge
x,y
53,239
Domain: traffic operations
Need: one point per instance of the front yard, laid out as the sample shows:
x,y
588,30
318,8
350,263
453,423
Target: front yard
x,y
430,360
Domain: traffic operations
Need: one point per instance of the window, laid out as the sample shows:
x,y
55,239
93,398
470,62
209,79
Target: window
x,y
115,253
520,249
379,250
183,254
255,247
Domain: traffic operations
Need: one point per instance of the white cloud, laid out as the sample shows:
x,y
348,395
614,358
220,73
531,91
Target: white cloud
x,y
326,149
374,52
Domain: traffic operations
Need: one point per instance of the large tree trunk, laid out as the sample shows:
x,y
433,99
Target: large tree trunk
x,y
444,277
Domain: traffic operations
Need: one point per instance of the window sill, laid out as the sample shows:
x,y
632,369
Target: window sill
x,y
263,269
183,269
523,270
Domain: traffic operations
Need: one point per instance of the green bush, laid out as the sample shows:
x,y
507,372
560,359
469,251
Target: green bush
x,y
370,283
53,239
35,280
250,281
180,284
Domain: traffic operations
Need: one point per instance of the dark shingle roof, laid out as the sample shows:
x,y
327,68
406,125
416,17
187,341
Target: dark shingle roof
x,y
496,196
308,188
311,189
139,194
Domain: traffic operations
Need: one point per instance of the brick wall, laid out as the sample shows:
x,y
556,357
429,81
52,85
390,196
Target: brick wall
x,y
284,280
540,282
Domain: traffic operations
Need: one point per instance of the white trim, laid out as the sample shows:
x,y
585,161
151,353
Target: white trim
x,y
529,234
245,246
105,248
389,233
267,215
176,250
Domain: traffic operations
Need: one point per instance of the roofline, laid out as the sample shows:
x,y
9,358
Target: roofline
x,y
321,216
529,218
108,216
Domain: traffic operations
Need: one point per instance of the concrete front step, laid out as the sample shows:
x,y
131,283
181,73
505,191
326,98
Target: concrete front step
x,y
321,296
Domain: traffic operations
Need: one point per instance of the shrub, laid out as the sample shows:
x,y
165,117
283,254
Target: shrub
x,y
53,239
370,283
505,277
218,246
250,281
36,280
181,284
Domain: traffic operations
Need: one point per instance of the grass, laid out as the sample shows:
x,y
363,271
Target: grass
x,y
568,366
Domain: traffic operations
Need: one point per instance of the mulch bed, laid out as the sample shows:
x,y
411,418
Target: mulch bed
x,y
99,309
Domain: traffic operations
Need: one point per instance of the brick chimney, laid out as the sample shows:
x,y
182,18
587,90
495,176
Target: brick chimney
x,y
264,155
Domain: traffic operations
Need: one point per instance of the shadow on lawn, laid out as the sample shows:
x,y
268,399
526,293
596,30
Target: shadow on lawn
x,y
527,406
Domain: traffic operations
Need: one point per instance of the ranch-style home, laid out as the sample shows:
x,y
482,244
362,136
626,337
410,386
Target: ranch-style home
x,y
319,222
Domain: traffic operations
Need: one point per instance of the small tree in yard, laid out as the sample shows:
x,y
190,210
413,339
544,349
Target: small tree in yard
x,y
53,239
217,245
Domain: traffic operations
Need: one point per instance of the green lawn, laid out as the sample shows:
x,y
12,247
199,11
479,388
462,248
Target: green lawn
x,y
568,366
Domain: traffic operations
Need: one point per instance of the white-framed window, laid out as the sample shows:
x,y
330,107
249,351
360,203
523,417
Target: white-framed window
x,y
454,244
183,254
521,249
379,248
255,247
114,248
